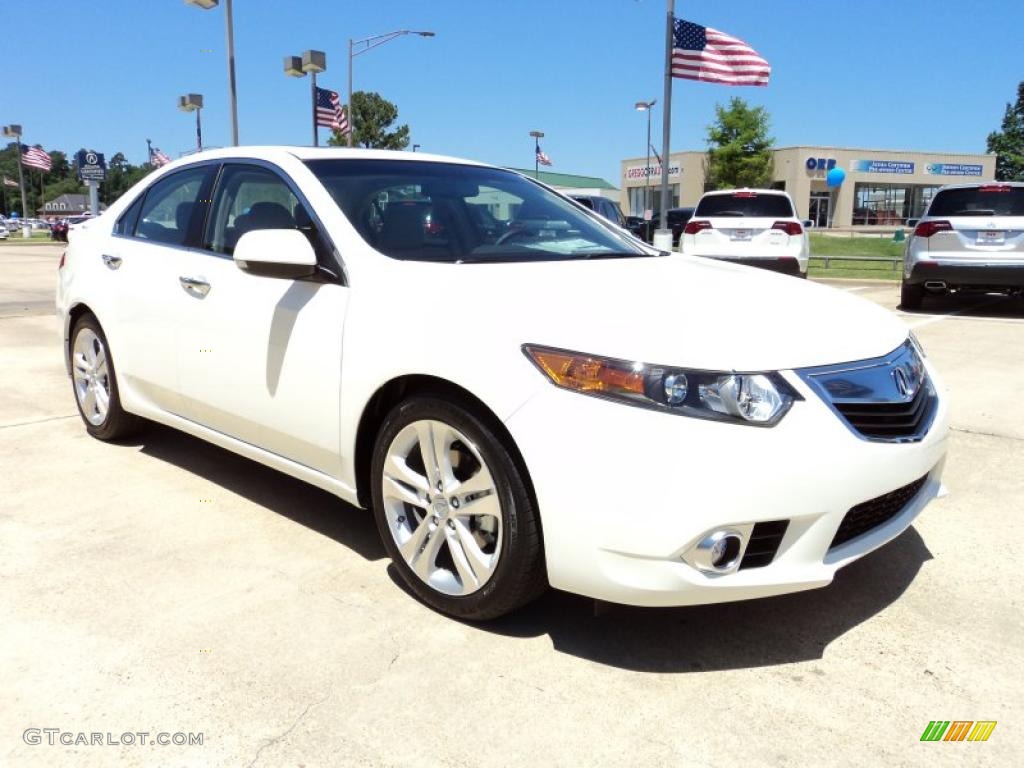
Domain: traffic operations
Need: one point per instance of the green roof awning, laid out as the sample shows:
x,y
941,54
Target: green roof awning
x,y
567,179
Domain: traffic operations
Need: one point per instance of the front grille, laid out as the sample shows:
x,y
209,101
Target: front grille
x,y
886,399
887,421
868,515
764,543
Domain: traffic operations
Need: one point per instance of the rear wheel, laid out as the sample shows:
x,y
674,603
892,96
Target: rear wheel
x,y
911,295
453,511
95,383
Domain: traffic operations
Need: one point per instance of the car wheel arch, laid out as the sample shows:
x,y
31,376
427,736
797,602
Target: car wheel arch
x,y
403,387
76,312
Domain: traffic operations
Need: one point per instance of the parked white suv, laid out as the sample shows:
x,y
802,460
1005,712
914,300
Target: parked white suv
x,y
523,398
757,227
970,238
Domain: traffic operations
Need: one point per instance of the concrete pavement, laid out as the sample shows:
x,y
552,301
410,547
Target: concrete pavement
x,y
165,585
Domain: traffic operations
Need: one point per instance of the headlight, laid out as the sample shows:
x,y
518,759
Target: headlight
x,y
759,399
916,343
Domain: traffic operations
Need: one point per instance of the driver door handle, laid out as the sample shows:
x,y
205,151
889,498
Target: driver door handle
x,y
195,285
112,262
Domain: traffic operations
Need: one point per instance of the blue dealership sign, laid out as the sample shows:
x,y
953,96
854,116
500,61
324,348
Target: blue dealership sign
x,y
954,169
883,166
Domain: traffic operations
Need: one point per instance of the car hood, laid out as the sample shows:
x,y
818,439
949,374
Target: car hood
x,y
673,310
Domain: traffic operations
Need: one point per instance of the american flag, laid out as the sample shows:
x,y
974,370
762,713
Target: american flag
x,y
158,159
10,183
702,53
34,157
542,158
329,112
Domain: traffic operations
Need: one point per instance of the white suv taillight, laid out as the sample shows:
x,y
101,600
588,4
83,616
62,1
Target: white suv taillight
x,y
694,226
929,228
791,228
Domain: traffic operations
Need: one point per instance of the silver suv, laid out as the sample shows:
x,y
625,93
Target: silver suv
x,y
970,238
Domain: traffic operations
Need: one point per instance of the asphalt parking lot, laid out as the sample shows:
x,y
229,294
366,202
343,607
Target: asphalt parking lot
x,y
164,585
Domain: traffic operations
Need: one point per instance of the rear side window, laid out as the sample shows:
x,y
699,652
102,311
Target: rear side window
x,y
986,200
126,224
585,201
745,204
169,206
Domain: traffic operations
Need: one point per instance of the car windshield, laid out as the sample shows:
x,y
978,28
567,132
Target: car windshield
x,y
447,212
987,200
745,204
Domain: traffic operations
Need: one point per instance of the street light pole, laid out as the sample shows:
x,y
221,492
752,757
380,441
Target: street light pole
x,y
229,23
368,44
646,106
193,102
311,62
537,136
14,131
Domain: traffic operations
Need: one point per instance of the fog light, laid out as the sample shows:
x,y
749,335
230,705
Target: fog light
x,y
719,551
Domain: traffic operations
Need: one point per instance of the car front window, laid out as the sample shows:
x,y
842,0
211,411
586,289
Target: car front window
x,y
448,212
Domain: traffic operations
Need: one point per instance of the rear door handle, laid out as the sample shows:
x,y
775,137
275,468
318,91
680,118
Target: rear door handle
x,y
195,286
112,262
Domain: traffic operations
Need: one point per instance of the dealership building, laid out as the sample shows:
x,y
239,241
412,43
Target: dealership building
x,y
882,187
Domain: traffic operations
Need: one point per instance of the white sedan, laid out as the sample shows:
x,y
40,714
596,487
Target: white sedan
x,y
522,394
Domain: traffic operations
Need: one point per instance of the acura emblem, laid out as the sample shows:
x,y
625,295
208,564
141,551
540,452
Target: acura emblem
x,y
902,385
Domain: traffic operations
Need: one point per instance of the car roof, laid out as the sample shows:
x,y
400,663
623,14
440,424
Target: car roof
x,y
755,190
276,152
974,184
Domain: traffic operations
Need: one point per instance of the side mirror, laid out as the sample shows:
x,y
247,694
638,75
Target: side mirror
x,y
912,222
284,253
808,224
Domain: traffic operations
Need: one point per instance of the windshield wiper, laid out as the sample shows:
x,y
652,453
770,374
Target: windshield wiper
x,y
471,259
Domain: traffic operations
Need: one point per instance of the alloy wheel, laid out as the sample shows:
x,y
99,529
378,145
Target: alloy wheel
x,y
442,507
91,376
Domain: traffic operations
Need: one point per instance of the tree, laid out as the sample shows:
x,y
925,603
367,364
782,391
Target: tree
x,y
371,115
739,147
1008,143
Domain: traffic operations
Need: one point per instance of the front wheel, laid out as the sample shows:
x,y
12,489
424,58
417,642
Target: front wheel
x,y
454,512
911,295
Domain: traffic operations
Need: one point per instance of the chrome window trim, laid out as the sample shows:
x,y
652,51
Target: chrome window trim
x,y
341,276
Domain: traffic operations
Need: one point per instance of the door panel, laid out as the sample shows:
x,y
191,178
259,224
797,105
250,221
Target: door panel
x,y
143,266
260,357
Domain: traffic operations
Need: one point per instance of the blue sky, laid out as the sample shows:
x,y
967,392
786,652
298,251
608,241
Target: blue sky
x,y
914,74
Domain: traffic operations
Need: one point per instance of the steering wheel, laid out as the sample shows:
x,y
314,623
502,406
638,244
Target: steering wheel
x,y
512,234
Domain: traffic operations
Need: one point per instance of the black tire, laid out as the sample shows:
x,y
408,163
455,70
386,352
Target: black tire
x,y
519,575
118,423
911,295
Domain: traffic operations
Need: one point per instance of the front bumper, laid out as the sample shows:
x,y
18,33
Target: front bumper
x,y
625,493
787,265
974,273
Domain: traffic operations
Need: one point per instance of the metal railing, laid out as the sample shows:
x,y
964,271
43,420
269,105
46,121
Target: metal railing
x,y
893,262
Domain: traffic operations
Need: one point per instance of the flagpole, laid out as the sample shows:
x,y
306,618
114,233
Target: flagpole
x,y
666,129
